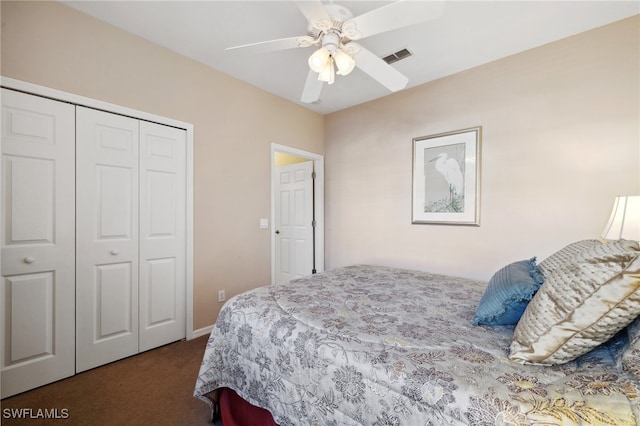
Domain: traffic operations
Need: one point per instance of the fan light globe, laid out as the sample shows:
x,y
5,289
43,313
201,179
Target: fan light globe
x,y
344,62
328,72
319,60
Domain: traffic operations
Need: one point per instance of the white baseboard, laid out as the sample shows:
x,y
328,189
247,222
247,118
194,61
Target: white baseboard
x,y
202,331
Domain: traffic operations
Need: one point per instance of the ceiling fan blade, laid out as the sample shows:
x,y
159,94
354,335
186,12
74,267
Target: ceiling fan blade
x,y
395,15
312,88
384,73
315,13
273,45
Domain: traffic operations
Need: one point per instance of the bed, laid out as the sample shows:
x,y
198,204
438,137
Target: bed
x,y
375,345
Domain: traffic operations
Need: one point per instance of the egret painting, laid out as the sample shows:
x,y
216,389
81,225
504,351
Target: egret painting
x,y
446,178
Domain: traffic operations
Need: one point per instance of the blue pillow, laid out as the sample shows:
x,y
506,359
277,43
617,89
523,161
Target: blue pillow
x,y
508,293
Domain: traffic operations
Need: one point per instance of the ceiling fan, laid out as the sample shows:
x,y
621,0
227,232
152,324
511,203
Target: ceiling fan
x,y
333,30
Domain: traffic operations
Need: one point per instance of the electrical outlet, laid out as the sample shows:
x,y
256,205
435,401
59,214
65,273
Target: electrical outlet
x,y
221,296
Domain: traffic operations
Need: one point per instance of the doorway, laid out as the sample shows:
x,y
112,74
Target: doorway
x,y
284,155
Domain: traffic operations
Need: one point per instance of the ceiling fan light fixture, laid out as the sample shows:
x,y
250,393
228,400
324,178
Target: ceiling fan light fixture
x,y
344,62
318,61
328,73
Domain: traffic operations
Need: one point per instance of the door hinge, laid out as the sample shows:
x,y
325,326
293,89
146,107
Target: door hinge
x,y
313,175
313,223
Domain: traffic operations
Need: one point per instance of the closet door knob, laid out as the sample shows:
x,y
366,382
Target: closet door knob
x,y
29,259
115,252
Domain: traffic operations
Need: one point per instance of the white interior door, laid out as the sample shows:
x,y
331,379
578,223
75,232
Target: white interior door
x,y
293,221
106,238
38,224
162,234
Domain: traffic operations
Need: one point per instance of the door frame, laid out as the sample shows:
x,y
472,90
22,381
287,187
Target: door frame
x,y
34,89
318,202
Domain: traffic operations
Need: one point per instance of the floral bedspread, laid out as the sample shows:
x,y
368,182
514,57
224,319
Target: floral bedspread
x,y
371,345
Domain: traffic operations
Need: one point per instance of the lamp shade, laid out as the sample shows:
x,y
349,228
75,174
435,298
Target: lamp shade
x,y
318,61
624,222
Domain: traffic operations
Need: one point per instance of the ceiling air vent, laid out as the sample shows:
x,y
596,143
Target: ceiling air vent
x,y
395,57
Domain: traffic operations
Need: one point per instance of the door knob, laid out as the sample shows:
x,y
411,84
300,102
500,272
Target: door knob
x,y
29,259
115,252
277,231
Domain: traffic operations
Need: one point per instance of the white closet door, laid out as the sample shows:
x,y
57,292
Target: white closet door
x,y
162,235
37,294
106,238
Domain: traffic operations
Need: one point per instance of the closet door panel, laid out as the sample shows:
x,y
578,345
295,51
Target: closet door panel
x,y
107,238
37,295
31,185
114,295
31,293
162,235
114,187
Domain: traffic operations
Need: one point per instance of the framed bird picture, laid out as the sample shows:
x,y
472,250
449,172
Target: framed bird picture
x,y
446,178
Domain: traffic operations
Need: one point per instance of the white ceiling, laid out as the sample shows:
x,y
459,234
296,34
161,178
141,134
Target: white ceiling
x,y
468,34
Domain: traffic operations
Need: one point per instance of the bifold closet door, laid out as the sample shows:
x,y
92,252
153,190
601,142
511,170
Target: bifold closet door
x,y
37,297
131,236
162,235
106,237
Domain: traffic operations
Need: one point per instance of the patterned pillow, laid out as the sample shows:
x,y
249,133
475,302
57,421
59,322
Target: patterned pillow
x,y
508,293
631,355
581,305
565,256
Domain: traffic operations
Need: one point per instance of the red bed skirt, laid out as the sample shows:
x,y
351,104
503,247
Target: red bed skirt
x,y
235,411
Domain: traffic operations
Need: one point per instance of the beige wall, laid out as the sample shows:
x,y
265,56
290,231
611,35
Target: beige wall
x,y
49,44
560,139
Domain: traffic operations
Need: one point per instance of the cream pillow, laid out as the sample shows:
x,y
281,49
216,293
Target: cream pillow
x,y
565,256
580,305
